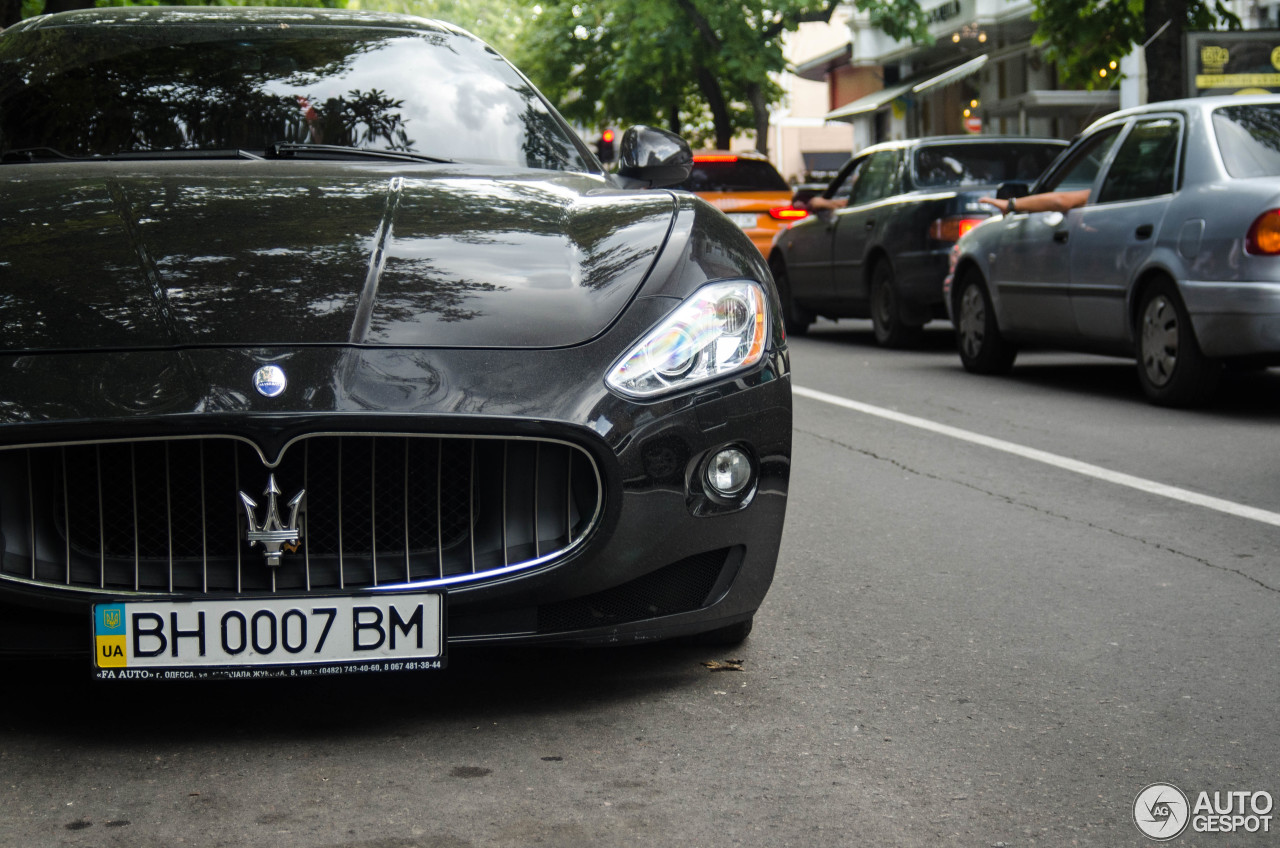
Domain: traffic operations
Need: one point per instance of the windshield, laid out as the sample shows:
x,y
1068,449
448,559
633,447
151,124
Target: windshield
x,y
1249,138
142,88
976,164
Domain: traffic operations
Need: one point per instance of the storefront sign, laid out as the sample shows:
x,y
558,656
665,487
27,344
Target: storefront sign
x,y
1233,62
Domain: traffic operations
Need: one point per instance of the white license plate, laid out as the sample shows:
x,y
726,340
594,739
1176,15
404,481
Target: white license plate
x,y
269,637
745,220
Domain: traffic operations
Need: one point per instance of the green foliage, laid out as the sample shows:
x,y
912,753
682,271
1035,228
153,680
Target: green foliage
x,y
698,67
1084,37
628,62
900,19
497,22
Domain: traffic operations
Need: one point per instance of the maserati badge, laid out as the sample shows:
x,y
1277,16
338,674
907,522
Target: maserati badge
x,y
273,534
269,380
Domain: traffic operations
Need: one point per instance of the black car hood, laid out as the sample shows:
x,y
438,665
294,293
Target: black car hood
x,y
134,256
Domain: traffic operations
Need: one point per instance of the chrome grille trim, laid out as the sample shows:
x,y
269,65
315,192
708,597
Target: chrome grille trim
x,y
493,525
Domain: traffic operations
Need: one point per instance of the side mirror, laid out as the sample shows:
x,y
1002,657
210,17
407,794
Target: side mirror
x,y
653,158
1008,190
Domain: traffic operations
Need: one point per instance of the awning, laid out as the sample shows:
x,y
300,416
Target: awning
x,y
816,69
870,103
915,85
959,72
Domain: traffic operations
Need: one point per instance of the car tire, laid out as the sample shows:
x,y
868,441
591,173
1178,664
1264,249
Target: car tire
x,y
723,637
1172,369
886,312
795,318
983,350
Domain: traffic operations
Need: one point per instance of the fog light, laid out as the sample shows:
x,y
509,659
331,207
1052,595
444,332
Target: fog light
x,y
729,472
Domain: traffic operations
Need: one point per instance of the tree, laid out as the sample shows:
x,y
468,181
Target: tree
x,y
1084,38
497,22
701,68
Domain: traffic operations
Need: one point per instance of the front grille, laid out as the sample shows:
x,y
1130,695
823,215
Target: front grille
x,y
168,515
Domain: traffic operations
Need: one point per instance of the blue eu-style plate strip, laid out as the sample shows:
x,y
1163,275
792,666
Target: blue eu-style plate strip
x,y
109,620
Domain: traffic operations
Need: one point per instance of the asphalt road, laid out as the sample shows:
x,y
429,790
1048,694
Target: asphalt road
x,y
968,642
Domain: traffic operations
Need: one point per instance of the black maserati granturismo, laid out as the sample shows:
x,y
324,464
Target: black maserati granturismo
x,y
327,344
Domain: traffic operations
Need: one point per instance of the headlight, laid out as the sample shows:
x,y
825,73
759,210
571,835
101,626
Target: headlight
x,y
719,330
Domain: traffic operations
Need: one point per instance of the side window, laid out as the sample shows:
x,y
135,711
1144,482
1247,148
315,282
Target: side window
x,y
877,179
844,182
1082,168
1146,163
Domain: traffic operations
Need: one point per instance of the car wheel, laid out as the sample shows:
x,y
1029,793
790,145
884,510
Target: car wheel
x,y
886,315
796,319
1171,367
982,349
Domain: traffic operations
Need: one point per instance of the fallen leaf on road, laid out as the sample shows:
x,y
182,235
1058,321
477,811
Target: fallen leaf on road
x,y
726,665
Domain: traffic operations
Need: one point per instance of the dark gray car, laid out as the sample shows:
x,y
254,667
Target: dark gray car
x,y
1174,260
884,255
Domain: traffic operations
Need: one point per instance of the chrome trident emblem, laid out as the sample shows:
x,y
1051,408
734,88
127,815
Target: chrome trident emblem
x,y
273,533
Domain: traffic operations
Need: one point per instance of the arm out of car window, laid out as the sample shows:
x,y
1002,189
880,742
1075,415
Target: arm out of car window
x,y
1050,201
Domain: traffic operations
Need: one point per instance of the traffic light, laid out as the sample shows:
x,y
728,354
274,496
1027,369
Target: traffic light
x,y
604,146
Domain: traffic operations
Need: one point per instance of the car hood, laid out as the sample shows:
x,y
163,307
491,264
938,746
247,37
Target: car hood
x,y
129,256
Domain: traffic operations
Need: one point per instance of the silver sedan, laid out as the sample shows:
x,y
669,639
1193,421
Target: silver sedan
x,y
1174,260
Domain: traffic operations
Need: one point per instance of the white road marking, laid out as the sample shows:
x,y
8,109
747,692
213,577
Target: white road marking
x,y
1066,463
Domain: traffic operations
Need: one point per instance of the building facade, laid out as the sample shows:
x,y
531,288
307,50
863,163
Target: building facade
x,y
803,144
982,74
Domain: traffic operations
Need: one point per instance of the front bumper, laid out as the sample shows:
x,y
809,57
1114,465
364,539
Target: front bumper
x,y
664,560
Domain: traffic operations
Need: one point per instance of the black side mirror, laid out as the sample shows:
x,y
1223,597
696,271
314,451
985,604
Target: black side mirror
x,y
653,158
1008,190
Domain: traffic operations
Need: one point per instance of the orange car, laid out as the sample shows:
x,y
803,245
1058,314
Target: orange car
x,y
747,188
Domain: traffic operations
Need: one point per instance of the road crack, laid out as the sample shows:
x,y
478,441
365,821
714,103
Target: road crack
x,y
1042,511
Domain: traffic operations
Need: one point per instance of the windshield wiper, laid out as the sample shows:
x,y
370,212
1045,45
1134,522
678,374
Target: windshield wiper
x,y
31,154
295,150
36,154
279,150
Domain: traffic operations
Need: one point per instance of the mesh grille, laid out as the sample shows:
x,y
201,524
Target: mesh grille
x,y
168,516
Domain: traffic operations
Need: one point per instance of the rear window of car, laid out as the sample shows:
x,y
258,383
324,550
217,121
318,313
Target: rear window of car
x,y
733,174
1249,139
975,164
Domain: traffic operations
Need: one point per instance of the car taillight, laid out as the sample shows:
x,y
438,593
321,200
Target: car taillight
x,y
1264,235
787,213
715,157
950,229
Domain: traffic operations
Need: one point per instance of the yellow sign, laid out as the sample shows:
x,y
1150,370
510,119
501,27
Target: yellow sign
x,y
1231,62
1214,58
1237,80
